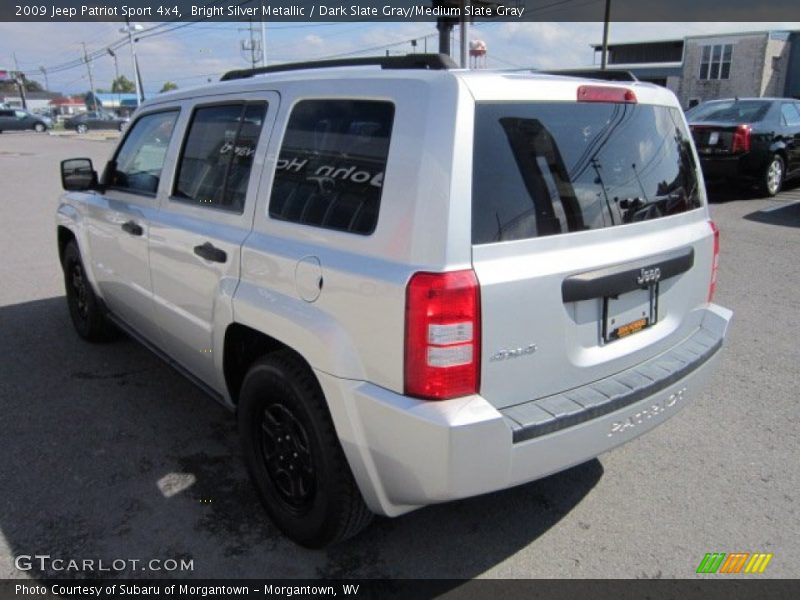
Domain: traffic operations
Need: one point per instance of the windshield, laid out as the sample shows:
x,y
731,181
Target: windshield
x,y
729,111
551,168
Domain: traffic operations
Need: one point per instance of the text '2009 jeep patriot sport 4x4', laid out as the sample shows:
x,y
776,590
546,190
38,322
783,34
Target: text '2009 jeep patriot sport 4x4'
x,y
412,283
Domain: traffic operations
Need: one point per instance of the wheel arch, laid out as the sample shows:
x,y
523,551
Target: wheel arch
x,y
243,345
64,235
778,148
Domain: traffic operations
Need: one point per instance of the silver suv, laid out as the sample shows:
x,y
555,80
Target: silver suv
x,y
412,283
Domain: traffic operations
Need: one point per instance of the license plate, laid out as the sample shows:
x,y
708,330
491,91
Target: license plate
x,y
629,313
629,328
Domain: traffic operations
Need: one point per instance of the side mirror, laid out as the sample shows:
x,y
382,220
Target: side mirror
x,y
78,175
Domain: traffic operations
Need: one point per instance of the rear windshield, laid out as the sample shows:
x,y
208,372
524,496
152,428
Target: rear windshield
x,y
733,111
548,168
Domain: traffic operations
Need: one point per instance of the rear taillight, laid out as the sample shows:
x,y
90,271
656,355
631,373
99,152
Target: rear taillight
x,y
741,139
603,93
712,287
442,353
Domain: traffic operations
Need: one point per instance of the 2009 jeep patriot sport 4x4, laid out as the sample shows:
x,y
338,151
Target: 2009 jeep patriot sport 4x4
x,y
412,283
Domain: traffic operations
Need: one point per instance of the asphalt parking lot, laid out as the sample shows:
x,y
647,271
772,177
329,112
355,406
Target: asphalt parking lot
x,y
109,454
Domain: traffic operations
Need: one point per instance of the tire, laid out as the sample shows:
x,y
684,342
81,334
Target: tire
x,y
81,128
284,422
39,128
121,127
773,176
85,310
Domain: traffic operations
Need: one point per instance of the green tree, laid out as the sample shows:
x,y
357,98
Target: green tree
x,y
168,85
10,87
33,86
122,85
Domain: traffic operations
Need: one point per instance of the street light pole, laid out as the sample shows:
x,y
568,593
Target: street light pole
x,y
116,66
46,83
129,30
263,43
464,33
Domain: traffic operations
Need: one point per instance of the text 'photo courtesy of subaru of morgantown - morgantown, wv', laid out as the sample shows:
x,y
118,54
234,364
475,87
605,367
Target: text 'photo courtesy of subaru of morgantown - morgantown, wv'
x,y
411,283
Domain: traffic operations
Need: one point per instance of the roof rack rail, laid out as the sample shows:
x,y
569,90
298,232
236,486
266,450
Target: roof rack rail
x,y
607,74
436,62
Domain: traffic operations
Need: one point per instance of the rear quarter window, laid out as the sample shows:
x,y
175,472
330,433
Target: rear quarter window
x,y
331,165
553,168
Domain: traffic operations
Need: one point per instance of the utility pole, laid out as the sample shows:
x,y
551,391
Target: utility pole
x,y
606,19
46,82
250,46
19,77
91,75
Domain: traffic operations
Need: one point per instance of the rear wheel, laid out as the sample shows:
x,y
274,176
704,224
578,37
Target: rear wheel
x,y
85,310
772,178
294,456
82,128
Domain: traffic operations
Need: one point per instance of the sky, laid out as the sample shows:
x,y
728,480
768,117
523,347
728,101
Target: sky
x,y
193,54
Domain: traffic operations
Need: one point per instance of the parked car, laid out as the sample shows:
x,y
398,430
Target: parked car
x,y
95,120
432,285
748,140
16,119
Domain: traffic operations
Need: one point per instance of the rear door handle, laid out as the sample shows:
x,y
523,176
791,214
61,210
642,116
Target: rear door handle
x,y
210,252
132,228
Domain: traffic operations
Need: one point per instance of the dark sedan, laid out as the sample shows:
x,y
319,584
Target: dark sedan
x,y
750,140
95,120
15,119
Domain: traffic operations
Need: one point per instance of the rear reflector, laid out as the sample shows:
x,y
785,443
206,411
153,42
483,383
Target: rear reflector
x,y
603,93
741,139
712,287
442,352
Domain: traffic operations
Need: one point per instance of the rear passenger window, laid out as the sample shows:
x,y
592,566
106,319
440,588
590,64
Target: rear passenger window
x,y
214,168
331,165
790,114
138,164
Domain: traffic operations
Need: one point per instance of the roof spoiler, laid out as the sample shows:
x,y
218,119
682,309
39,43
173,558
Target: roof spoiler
x,y
603,74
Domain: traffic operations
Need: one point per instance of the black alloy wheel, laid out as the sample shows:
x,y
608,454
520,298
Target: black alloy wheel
x,y
293,453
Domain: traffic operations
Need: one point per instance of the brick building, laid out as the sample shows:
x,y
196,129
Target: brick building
x,y
700,68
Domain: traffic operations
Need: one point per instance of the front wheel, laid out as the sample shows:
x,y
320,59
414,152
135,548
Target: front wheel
x,y
39,128
294,456
85,310
81,128
772,178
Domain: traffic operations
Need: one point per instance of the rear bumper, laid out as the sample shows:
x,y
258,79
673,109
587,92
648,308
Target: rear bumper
x,y
746,166
407,453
